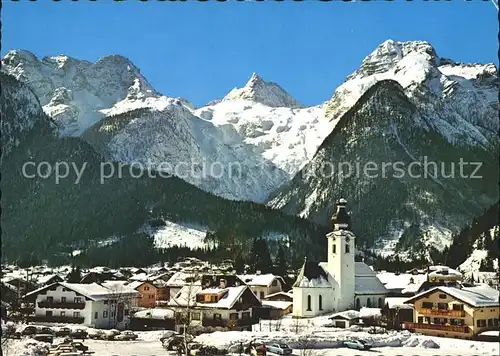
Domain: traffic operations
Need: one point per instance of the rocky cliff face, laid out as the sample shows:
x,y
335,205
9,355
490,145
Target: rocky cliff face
x,y
73,92
369,160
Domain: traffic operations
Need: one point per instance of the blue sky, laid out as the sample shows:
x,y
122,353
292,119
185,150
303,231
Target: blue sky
x,y
200,51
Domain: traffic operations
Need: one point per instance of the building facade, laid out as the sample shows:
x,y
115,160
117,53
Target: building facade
x,y
454,312
88,304
340,283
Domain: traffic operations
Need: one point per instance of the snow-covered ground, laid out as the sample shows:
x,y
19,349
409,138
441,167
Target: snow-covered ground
x,y
324,344
323,339
180,234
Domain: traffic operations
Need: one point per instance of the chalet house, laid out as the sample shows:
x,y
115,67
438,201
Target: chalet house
x,y
47,279
92,304
276,305
280,297
148,293
455,312
263,284
20,285
181,279
215,308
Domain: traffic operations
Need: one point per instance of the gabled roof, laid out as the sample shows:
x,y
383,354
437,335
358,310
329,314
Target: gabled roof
x,y
312,275
188,295
346,315
92,291
259,279
366,280
465,295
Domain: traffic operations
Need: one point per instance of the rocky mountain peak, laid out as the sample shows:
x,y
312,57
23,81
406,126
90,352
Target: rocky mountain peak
x,y
389,53
266,93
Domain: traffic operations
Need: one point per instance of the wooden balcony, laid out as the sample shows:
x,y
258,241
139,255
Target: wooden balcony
x,y
439,327
57,319
443,312
61,305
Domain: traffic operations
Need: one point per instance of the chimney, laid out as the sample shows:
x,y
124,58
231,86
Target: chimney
x,y
223,283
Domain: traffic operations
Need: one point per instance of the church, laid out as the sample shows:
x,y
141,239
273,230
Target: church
x,y
340,283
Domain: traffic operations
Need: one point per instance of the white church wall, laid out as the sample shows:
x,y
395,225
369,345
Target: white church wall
x,y
369,300
310,302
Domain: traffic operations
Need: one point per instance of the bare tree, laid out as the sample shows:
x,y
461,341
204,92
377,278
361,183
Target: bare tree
x,y
306,345
120,296
183,304
297,323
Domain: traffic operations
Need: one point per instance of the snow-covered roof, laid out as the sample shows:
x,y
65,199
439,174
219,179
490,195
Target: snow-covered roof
x,y
187,296
178,279
346,315
397,302
284,294
471,297
443,271
47,278
155,313
485,290
370,312
405,282
312,275
258,279
366,280
276,304
92,291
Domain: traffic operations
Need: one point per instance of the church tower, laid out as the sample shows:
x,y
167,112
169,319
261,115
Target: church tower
x,y
341,250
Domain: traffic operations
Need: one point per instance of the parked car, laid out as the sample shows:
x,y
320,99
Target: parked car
x,y
44,338
280,349
27,330
173,343
46,330
256,348
357,344
126,336
78,334
63,331
80,346
95,334
108,335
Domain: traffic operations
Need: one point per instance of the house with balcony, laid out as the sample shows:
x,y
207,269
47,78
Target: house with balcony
x,y
455,312
215,308
92,304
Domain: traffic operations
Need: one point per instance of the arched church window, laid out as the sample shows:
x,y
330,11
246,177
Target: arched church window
x,y
309,303
347,247
368,303
380,305
358,304
334,248
320,301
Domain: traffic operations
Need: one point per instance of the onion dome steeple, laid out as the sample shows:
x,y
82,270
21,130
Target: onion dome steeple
x,y
340,218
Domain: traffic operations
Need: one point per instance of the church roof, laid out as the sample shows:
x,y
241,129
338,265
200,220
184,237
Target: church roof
x,y
366,280
312,275
340,216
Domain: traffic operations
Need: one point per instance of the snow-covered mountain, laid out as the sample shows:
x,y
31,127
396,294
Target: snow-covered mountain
x,y
250,144
461,99
242,147
73,92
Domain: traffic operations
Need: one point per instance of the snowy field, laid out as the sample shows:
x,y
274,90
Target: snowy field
x,y
308,337
449,347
